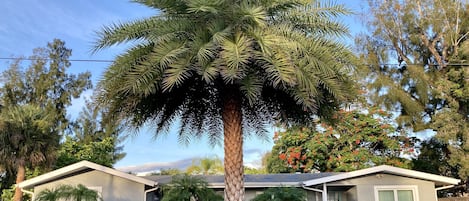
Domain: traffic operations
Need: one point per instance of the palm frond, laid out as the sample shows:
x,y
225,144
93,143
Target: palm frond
x,y
235,55
119,33
206,6
167,6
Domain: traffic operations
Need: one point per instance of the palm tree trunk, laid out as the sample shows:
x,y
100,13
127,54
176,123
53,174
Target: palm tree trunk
x,y
233,145
19,178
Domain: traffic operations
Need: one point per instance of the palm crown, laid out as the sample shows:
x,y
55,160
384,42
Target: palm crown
x,y
275,52
210,62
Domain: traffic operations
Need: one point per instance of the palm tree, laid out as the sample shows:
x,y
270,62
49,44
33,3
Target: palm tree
x,y
226,66
206,166
68,192
189,188
282,194
48,195
26,140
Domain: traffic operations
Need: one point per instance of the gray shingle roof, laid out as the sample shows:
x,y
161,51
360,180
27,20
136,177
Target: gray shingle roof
x,y
269,180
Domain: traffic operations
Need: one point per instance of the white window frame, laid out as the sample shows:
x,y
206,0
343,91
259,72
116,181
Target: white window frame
x,y
395,188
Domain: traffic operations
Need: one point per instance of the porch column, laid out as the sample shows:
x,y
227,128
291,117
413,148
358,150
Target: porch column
x,y
324,192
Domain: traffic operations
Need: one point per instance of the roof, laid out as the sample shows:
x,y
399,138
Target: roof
x,y
79,167
253,181
439,180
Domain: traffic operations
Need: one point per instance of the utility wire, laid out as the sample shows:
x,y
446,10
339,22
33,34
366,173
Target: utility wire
x,y
110,61
77,60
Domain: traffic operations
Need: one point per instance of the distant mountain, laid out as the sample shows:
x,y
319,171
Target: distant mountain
x,y
157,166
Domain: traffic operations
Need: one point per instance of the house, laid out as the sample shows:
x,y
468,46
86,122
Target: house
x,y
379,183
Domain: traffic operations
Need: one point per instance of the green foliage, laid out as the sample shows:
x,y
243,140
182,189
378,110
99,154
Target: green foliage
x,y
26,136
249,170
33,104
282,194
8,193
187,60
91,139
354,141
205,166
73,150
68,192
429,86
189,188
45,83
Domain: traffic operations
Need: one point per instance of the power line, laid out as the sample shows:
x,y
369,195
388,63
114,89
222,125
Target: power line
x,y
74,60
110,61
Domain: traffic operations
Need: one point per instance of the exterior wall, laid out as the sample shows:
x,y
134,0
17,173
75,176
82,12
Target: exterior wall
x,y
351,194
365,186
113,188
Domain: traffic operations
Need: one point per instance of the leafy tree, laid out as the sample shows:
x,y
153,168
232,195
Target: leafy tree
x,y
92,139
231,66
33,105
101,152
355,141
189,188
435,158
206,166
68,192
45,83
427,40
282,194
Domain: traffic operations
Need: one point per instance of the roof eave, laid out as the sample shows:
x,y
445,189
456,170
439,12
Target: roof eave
x,y
383,169
76,167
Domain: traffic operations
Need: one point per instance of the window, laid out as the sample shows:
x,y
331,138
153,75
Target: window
x,y
396,193
334,196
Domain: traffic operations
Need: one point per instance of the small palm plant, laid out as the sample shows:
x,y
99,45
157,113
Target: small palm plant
x,y
189,188
282,194
69,193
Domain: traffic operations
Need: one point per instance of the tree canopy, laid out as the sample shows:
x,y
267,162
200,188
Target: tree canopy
x,y
355,140
33,104
416,56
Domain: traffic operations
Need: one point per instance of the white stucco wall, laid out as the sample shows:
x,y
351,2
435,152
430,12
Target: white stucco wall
x,y
365,186
113,188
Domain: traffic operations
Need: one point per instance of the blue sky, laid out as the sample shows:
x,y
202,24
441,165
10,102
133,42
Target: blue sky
x,y
27,24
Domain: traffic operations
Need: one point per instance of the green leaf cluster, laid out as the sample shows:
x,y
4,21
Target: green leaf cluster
x,y
70,193
354,141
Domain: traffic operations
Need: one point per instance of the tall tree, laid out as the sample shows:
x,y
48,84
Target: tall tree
x,y
416,55
92,138
42,90
231,66
354,141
